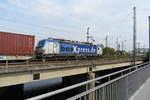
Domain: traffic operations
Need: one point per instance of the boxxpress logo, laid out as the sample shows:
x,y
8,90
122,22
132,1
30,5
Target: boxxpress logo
x,y
77,49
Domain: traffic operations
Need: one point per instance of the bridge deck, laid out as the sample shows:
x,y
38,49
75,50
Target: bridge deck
x,y
28,73
49,65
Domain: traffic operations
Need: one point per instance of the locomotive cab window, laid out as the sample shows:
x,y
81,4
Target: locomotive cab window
x,y
41,43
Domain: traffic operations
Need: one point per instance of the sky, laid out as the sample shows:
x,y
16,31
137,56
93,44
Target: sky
x,y
69,19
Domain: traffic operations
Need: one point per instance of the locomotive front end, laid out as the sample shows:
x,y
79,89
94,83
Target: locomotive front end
x,y
40,49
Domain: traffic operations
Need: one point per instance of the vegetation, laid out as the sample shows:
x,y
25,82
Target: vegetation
x,y
112,52
146,57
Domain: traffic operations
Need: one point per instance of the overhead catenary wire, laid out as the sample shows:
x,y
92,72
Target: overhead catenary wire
x,y
46,27
50,29
36,29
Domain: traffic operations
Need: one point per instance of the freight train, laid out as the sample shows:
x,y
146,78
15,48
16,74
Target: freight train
x,y
21,47
58,47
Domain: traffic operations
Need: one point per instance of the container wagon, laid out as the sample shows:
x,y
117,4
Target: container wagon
x,y
59,47
16,46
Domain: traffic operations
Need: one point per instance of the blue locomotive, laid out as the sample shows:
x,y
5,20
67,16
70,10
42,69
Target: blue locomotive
x,y
58,47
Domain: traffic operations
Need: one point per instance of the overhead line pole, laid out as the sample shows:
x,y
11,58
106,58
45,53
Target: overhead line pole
x,y
106,45
138,48
134,35
122,46
117,46
88,34
149,39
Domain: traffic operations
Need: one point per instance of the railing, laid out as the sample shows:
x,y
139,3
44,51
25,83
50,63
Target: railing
x,y
121,85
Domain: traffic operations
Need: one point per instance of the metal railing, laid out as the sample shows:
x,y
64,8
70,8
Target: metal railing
x,y
121,85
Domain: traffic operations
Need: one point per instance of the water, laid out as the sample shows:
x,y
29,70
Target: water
x,y
34,89
40,87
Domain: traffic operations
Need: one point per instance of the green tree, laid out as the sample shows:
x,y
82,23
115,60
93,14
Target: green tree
x,y
109,51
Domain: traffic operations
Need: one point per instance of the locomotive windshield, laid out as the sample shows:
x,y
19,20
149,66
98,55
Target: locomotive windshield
x,y
41,43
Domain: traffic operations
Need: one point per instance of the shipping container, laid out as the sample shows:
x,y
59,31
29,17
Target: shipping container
x,y
12,44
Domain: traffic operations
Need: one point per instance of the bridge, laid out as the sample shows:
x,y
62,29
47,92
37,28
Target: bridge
x,y
20,74
120,85
93,79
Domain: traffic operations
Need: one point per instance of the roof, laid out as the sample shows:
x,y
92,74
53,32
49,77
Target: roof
x,y
69,41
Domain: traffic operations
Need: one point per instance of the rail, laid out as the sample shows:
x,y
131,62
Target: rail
x,y
29,66
46,61
121,87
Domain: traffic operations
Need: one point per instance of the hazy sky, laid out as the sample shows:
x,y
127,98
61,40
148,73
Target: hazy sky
x,y
69,19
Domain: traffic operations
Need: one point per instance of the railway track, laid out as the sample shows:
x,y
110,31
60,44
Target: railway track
x,y
37,62
49,65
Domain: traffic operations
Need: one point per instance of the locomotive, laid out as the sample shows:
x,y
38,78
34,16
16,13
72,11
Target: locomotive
x,y
21,47
59,47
